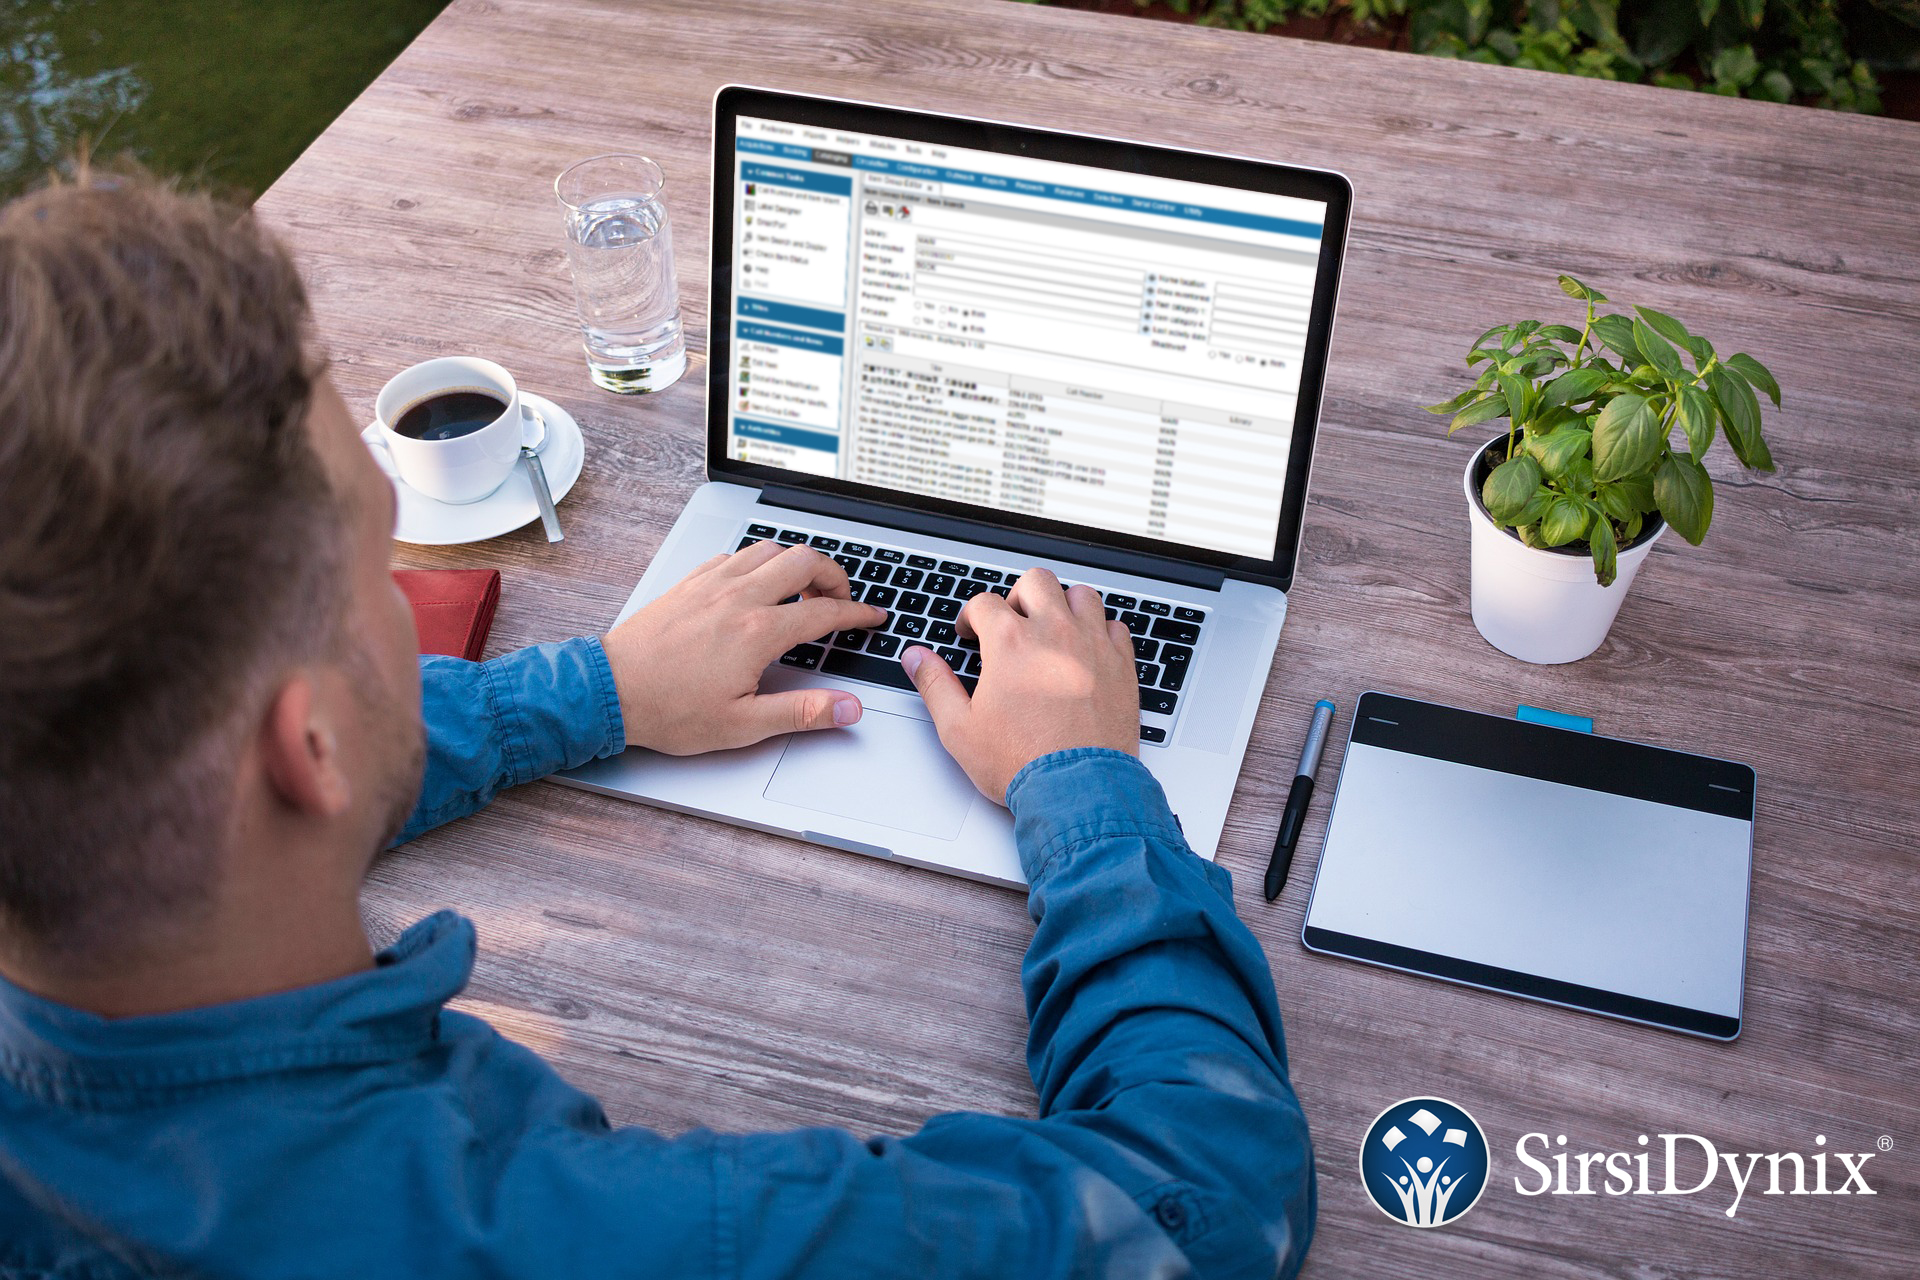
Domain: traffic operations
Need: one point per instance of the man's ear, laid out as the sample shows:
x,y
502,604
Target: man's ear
x,y
301,753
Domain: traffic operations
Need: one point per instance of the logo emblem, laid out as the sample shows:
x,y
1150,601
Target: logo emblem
x,y
1424,1161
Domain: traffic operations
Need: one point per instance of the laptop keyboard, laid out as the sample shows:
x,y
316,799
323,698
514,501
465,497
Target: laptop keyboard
x,y
923,595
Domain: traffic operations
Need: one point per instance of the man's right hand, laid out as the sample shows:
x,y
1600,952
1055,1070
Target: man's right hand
x,y
1055,673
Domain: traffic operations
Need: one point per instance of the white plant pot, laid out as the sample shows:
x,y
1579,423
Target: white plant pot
x,y
1542,606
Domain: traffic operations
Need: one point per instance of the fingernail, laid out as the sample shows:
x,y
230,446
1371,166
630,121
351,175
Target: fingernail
x,y
845,710
911,660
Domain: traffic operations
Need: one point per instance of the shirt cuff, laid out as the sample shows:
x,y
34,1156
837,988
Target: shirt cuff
x,y
1072,797
556,707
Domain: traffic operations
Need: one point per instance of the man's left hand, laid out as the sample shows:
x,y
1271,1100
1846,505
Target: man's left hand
x,y
688,665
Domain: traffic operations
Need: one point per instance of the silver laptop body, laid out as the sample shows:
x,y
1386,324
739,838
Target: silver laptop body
x,y
945,351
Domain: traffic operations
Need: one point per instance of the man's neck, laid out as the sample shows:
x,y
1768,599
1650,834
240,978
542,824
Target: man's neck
x,y
236,951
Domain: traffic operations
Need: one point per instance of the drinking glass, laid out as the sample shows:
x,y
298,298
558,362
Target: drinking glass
x,y
620,246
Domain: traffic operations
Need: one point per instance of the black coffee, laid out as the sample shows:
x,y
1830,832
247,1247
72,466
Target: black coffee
x,y
450,415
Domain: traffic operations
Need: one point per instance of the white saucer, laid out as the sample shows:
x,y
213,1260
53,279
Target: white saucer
x,y
427,522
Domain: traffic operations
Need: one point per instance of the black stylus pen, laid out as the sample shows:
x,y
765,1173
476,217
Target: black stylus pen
x,y
1297,798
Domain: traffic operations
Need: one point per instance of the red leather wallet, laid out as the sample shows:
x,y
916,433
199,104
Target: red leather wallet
x,y
452,608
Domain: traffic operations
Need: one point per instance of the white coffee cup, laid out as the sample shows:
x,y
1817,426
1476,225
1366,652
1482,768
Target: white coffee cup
x,y
464,468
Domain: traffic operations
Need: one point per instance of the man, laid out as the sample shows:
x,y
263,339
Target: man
x,y
211,720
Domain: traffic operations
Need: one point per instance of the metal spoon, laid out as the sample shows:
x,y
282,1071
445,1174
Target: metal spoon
x,y
533,436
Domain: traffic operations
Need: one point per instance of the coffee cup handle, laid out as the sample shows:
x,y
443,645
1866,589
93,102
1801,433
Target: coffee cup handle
x,y
376,441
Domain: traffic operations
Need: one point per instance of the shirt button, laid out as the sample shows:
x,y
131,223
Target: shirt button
x,y
1172,1214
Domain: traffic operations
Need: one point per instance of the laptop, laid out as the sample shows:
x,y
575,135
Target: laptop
x,y
947,350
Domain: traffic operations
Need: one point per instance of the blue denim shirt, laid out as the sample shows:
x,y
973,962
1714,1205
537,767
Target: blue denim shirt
x,y
361,1129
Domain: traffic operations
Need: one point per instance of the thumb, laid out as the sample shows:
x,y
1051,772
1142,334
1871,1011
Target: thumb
x,y
940,689
768,714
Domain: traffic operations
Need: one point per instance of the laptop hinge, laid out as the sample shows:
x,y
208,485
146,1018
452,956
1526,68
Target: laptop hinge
x,y
1018,540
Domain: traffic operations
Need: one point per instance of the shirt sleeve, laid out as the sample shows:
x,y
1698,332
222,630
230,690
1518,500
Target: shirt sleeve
x,y
494,725
1168,1139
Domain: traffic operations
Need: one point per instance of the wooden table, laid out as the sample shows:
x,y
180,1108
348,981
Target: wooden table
x,y
695,974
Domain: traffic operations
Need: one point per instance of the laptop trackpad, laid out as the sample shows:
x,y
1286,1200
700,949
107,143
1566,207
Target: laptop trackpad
x,y
887,769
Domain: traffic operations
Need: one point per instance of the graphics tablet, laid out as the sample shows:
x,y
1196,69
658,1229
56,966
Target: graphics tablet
x,y
1546,863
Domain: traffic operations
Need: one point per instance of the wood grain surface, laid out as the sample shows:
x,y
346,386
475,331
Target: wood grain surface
x,y
695,974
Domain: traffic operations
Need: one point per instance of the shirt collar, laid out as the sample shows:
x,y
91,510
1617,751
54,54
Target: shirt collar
x,y
390,1011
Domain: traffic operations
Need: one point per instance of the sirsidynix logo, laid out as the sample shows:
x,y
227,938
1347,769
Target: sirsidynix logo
x,y
1424,1161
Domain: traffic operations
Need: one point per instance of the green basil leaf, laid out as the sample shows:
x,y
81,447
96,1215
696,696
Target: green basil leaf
x,y
1454,405
1756,373
1664,325
1574,289
1633,525
1572,387
1606,558
1741,414
1566,519
1557,448
1536,506
1516,389
1530,534
1477,412
1498,330
1561,333
1617,333
1627,497
1684,492
1658,351
1578,477
1697,417
1626,437
1480,353
1509,487
1700,349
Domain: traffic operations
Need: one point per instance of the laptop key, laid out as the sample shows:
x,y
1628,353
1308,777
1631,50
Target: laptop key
x,y
986,575
803,655
1189,615
1178,632
747,542
955,568
922,562
1144,649
1156,607
864,666
1112,613
1148,672
969,588
821,542
855,589
969,642
905,624
760,531
914,602
938,584
942,633
850,563
973,664
1173,678
849,639
908,578
1000,589
955,658
946,609
874,571
884,646
1157,700
969,683
1119,601
856,548
1152,733
881,596
791,536
1136,622
1174,655
890,555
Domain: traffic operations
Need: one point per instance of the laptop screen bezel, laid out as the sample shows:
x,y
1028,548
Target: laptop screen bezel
x,y
1332,189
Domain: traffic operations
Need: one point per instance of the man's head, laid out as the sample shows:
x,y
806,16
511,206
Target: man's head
x,y
200,646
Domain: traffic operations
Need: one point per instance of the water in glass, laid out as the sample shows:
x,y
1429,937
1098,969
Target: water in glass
x,y
620,246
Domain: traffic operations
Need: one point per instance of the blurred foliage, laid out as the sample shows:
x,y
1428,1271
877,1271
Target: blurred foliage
x,y
1776,50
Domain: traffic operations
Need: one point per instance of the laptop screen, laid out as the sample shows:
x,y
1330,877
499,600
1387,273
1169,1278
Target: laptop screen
x,y
1103,348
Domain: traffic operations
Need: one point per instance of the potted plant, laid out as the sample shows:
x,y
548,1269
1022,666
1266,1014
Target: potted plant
x,y
1567,502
